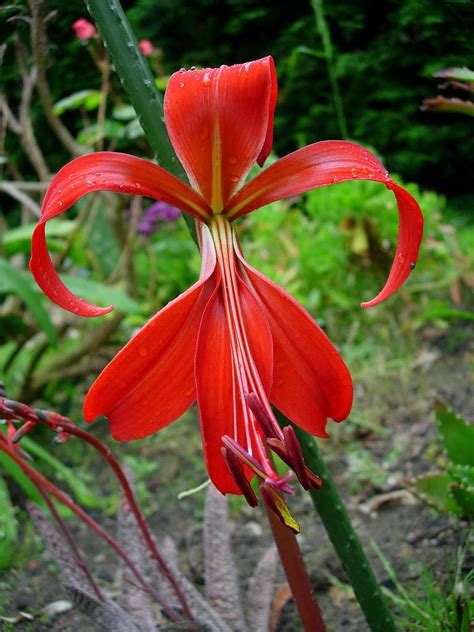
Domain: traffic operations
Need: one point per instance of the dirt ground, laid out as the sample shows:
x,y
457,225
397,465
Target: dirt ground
x,y
410,535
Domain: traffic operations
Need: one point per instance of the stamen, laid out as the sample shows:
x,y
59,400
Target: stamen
x,y
277,505
261,416
237,472
295,454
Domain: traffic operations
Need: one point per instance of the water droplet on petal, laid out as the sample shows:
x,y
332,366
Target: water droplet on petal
x,y
138,185
193,68
401,258
60,203
90,182
181,85
234,178
121,187
206,80
412,264
354,173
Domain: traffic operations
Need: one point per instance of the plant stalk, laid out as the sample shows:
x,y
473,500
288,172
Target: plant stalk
x,y
297,576
330,506
135,75
325,34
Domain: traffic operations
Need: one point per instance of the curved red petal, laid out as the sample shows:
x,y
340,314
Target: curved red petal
x,y
219,385
150,382
102,171
331,162
220,121
310,380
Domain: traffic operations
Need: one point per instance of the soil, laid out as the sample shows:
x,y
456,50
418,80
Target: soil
x,y
400,442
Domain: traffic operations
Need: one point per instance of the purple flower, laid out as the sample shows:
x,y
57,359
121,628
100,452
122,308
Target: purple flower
x,y
153,215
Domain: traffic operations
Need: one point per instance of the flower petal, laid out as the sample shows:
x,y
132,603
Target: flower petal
x,y
330,162
222,406
220,121
102,171
150,382
310,380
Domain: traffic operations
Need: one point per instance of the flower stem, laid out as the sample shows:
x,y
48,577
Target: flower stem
x,y
337,523
297,576
135,75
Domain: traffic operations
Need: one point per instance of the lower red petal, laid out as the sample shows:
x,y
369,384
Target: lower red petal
x,y
310,380
222,407
150,382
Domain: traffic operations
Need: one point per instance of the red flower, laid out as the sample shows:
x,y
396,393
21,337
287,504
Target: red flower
x,y
146,47
84,29
234,341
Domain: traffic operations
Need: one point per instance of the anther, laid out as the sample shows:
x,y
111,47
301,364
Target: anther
x,y
237,471
277,505
262,417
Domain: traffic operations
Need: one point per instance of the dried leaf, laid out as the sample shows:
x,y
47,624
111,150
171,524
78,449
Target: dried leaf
x,y
283,594
222,588
105,613
260,592
56,607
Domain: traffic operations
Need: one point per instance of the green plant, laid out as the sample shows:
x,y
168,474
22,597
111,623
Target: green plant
x,y
451,490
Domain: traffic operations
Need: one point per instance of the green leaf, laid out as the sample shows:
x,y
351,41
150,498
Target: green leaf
x,y
457,435
88,99
462,474
64,473
17,474
101,294
18,239
93,133
8,527
124,112
15,282
434,489
464,496
101,239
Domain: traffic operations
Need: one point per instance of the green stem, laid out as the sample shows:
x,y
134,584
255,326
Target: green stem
x,y
139,83
345,540
325,34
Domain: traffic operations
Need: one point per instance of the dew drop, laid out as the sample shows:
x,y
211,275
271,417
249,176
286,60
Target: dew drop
x,y
206,80
181,85
335,179
193,68
234,178
90,182
60,203
121,187
138,185
401,258
412,264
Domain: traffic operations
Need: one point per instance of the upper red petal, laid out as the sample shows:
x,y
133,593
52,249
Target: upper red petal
x,y
310,380
330,162
102,171
220,121
150,382
222,407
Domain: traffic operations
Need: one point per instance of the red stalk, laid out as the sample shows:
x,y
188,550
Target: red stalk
x,y
40,481
297,576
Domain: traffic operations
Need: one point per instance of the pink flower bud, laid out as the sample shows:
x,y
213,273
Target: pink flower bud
x,y
84,29
146,47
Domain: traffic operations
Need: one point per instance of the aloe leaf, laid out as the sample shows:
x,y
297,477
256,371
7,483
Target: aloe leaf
x,y
462,474
464,497
260,592
8,527
434,489
222,587
14,281
456,434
